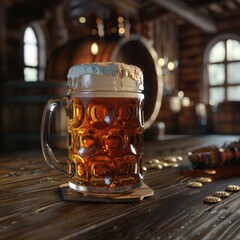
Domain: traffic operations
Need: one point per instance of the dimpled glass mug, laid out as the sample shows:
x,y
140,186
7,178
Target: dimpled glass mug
x,y
104,107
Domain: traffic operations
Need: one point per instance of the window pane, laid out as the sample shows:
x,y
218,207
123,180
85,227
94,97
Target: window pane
x,y
216,74
216,95
217,53
30,55
233,72
233,50
30,74
29,36
233,93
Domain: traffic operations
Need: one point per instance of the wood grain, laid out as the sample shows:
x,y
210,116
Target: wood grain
x,y
31,206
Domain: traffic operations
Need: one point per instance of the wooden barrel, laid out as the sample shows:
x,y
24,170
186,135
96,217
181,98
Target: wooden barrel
x,y
226,118
134,50
22,112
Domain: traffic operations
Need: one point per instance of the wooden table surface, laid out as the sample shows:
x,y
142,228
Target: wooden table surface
x,y
31,206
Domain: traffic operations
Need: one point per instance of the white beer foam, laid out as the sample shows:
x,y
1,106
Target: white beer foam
x,y
105,76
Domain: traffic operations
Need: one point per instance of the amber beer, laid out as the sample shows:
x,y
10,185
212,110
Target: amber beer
x,y
104,107
106,141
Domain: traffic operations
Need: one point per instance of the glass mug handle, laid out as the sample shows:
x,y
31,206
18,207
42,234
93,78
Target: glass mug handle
x,y
49,157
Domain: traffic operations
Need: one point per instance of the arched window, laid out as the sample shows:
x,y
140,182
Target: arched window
x,y
34,54
222,65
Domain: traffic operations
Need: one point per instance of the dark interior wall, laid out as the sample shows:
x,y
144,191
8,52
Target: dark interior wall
x,y
2,61
192,44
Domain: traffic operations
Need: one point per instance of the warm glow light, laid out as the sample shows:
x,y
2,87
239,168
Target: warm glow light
x,y
94,49
120,19
82,19
170,66
161,62
201,110
186,102
121,31
180,94
175,104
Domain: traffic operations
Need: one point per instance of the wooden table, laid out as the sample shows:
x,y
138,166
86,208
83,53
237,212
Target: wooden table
x,y
31,206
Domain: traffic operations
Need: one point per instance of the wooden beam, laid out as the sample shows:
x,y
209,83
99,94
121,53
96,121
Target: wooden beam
x,y
216,8
231,5
192,15
126,7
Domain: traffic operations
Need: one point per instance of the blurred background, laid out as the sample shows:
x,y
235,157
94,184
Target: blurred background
x,y
188,50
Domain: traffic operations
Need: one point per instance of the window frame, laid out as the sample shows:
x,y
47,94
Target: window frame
x,y
206,86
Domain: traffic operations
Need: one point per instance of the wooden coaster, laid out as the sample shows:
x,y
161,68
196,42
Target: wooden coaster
x,y
137,194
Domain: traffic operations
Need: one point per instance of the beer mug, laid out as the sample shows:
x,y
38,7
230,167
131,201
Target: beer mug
x,y
104,107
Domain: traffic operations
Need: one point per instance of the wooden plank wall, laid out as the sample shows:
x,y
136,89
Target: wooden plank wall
x,y
192,43
3,63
